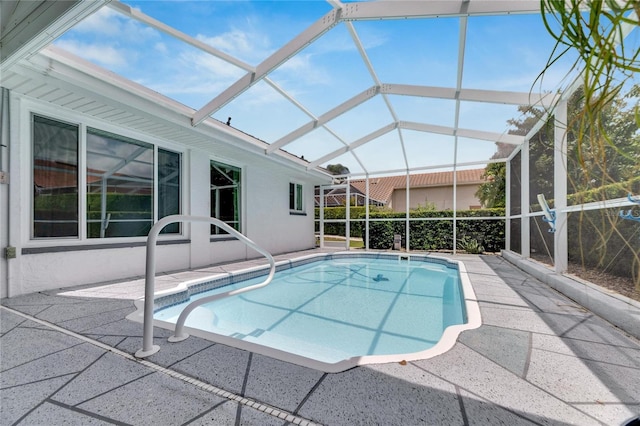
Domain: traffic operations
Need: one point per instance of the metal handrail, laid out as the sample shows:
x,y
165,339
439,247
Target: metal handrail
x,y
148,348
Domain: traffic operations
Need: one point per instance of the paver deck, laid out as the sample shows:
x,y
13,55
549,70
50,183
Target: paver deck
x,y
538,358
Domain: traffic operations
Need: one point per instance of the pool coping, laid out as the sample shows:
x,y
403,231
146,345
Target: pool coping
x,y
184,290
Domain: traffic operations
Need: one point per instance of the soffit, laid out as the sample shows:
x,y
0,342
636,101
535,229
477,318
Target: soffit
x,y
26,26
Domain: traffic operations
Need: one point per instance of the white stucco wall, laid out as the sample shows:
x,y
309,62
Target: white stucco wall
x,y
46,264
269,222
48,271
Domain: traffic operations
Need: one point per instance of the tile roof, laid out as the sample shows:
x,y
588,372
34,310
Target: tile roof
x,y
381,188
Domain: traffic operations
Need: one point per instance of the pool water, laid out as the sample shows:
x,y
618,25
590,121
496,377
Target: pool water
x,y
332,310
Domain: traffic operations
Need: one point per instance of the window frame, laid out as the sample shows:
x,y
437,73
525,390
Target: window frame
x,y
32,182
181,191
222,235
32,109
298,199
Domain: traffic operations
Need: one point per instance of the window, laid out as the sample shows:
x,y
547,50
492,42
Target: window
x,y
121,179
119,186
225,196
295,197
55,178
169,188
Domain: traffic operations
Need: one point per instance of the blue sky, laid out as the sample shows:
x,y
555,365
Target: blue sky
x,y
502,53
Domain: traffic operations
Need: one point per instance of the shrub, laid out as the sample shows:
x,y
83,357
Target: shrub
x,y
425,234
470,245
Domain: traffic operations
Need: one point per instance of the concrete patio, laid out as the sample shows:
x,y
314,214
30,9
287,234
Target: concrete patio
x,y
538,358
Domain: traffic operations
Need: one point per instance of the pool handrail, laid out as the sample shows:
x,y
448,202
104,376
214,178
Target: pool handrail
x,y
148,348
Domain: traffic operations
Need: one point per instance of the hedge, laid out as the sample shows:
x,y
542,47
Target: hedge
x,y
425,234
606,192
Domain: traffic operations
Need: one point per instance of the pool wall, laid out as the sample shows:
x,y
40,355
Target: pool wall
x,y
185,290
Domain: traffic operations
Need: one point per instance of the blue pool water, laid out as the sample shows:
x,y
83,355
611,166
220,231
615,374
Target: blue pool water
x,y
332,310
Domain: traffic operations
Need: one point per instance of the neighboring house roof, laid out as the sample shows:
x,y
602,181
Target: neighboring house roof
x,y
336,196
53,176
381,189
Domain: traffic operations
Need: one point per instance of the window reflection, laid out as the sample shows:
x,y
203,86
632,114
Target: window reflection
x,y
55,178
119,186
169,188
225,196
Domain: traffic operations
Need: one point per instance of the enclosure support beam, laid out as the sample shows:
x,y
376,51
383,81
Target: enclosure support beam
x,y
434,9
406,212
347,227
467,133
368,138
524,201
560,240
322,216
366,215
507,209
317,29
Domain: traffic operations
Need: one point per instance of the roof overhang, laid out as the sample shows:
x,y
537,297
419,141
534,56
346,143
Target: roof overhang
x,y
26,26
60,78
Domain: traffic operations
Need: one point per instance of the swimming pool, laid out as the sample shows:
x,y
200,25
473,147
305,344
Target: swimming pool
x,y
332,312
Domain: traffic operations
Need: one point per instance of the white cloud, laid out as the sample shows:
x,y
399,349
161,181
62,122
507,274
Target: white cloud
x,y
232,42
161,48
253,46
209,66
250,46
302,69
109,23
199,75
99,53
104,21
193,77
261,94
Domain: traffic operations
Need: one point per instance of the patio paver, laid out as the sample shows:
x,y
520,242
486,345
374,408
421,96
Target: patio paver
x,y
538,358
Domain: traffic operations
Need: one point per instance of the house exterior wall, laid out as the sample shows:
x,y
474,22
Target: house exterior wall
x,y
269,220
441,196
52,263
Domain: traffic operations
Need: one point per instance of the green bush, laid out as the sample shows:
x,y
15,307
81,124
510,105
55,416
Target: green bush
x,y
425,234
121,202
606,192
63,202
357,228
470,245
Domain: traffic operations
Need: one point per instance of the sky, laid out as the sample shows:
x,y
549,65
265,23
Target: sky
x,y
503,53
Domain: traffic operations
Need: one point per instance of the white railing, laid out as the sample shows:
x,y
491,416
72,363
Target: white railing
x,y
148,348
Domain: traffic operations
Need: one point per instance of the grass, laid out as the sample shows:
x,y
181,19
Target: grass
x,y
353,243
